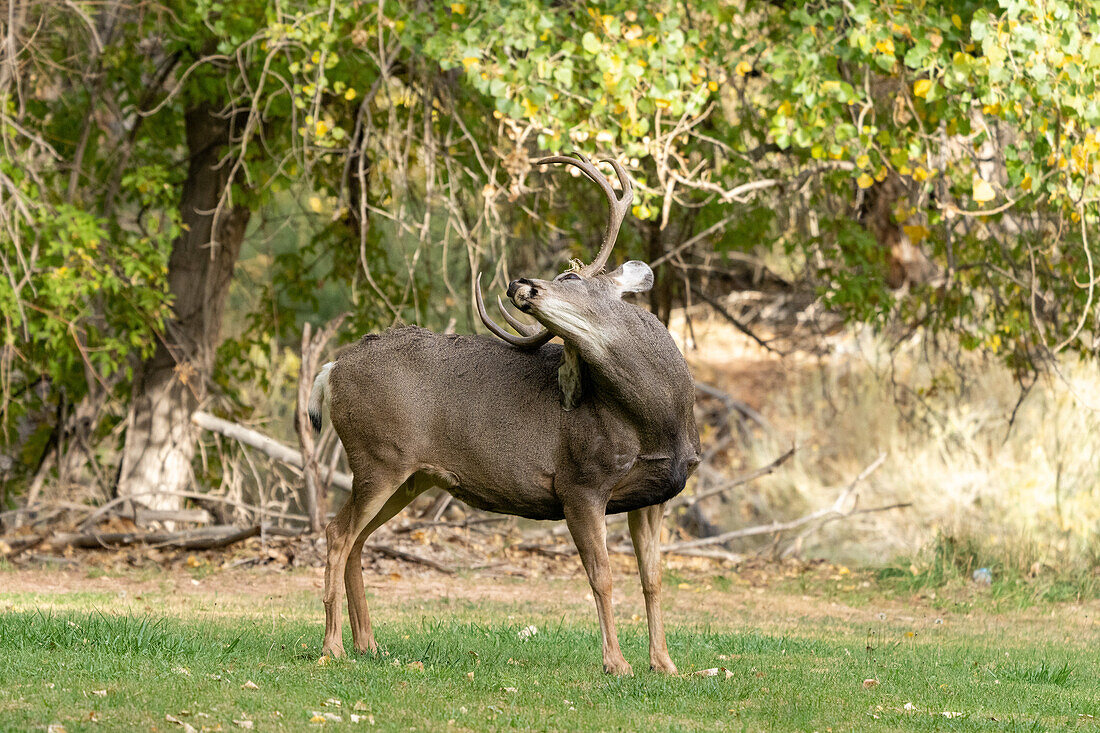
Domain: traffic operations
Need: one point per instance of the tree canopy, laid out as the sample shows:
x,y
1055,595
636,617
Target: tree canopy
x,y
925,165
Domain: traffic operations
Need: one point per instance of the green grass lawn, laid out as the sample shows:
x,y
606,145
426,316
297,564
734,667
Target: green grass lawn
x,y
90,660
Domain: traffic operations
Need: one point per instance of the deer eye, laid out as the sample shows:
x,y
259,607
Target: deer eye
x,y
570,276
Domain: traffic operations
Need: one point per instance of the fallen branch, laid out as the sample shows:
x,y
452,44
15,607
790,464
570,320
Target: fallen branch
x,y
739,481
707,553
558,551
142,516
11,549
205,538
833,512
473,521
263,443
409,557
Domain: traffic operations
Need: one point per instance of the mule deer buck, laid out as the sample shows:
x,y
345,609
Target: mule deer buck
x,y
600,425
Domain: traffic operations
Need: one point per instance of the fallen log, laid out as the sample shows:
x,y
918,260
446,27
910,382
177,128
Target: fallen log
x,y
13,547
205,538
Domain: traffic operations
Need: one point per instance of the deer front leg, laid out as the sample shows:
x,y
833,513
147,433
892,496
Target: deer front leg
x,y
645,533
586,525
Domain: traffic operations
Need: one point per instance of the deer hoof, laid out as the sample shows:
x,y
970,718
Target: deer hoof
x,y
664,666
618,667
369,646
333,650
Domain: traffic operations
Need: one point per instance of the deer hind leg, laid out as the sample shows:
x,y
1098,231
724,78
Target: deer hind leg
x,y
586,525
361,632
645,532
366,501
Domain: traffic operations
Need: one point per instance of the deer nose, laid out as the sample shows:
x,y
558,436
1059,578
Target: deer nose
x,y
515,285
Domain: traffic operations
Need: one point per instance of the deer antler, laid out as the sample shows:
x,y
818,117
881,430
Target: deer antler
x,y
617,207
525,329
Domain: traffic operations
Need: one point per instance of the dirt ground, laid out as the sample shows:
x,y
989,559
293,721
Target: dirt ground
x,y
773,596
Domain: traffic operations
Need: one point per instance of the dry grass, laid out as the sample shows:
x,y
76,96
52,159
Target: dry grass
x,y
1031,489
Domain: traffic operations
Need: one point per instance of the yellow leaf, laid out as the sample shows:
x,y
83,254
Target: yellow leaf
x,y
957,21
863,161
922,87
315,203
885,46
865,181
1026,183
469,61
916,232
983,192
662,103
458,8
742,68
349,94
321,128
712,85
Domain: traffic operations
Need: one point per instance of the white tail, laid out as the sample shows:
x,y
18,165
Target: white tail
x,y
319,395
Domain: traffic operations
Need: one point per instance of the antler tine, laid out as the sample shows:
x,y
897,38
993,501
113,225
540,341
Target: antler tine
x,y
531,340
617,206
524,329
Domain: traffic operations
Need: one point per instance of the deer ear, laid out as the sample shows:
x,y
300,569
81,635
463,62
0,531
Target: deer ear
x,y
633,277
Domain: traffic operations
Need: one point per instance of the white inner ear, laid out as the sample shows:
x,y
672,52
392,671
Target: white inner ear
x,y
633,277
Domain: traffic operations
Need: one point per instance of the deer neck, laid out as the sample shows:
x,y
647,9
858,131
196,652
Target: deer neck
x,y
652,389
569,377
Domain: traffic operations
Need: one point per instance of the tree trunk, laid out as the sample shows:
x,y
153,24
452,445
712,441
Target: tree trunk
x,y
160,441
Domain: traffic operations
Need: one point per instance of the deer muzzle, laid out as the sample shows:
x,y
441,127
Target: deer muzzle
x,y
521,291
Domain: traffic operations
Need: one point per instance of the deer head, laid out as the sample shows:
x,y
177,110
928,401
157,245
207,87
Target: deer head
x,y
533,337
